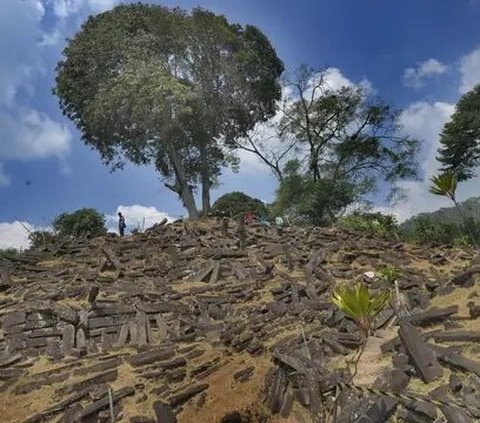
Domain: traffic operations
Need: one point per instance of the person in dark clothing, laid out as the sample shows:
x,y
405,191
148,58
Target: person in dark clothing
x,y
121,224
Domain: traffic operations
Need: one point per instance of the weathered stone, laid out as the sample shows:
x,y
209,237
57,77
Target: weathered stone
x,y
434,315
151,357
141,322
183,396
378,411
164,413
276,390
48,380
465,278
455,383
452,414
244,374
8,360
64,313
108,376
68,339
15,318
456,336
93,293
287,404
399,380
457,360
97,406
99,367
11,373
58,407
473,309
102,322
80,341
421,354
290,361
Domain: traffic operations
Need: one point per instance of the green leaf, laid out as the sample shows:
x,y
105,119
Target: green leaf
x,y
360,304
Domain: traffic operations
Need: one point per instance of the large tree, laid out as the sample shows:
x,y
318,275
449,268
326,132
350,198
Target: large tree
x,y
460,138
150,84
344,143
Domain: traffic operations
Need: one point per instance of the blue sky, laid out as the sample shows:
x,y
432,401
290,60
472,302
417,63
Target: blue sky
x,y
417,54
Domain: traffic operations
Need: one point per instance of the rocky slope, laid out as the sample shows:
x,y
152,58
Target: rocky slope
x,y
180,324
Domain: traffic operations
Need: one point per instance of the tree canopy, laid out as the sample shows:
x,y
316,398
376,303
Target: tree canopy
x,y
81,223
460,138
342,142
152,85
236,203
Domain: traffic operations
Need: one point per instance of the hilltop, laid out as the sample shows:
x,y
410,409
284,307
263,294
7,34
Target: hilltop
x,y
180,324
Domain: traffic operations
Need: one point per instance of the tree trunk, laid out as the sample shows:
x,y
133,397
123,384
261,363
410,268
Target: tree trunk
x,y
205,177
206,208
182,187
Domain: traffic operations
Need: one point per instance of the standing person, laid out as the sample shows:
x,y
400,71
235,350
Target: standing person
x,y
279,225
121,224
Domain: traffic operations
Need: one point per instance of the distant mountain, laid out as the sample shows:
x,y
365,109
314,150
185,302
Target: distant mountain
x,y
470,207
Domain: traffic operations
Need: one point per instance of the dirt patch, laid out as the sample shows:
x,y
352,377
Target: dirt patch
x,y
373,362
226,396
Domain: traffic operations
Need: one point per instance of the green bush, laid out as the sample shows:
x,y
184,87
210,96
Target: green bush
x,y
8,253
428,230
378,224
236,203
81,223
40,239
388,273
315,202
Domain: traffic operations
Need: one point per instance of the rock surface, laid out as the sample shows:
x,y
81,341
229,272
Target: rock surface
x,y
188,323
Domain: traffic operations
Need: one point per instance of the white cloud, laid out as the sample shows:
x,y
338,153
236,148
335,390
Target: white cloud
x,y
25,133
65,8
32,135
102,5
14,234
19,31
137,216
469,71
415,77
423,121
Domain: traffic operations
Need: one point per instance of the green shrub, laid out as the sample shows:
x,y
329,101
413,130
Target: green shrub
x,y
40,239
237,203
377,224
8,253
428,230
81,223
388,273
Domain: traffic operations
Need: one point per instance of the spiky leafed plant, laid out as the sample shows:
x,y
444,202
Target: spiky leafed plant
x,y
360,304
446,186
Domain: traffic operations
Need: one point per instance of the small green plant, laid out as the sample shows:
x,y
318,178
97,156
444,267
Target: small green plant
x,y
462,241
362,306
389,274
